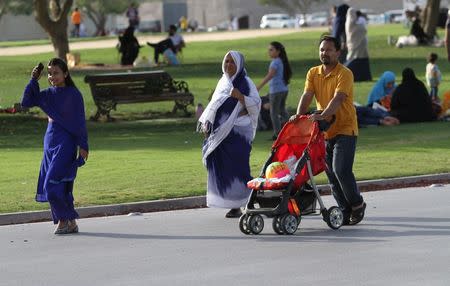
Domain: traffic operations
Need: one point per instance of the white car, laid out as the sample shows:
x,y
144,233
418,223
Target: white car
x,y
277,21
314,19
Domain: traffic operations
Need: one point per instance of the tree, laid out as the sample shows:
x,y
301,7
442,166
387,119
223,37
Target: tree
x,y
53,18
430,16
98,10
296,6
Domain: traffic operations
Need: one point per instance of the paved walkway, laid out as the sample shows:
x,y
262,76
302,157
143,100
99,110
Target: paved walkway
x,y
200,201
189,37
404,240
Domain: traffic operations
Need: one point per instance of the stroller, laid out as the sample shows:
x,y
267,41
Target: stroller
x,y
287,201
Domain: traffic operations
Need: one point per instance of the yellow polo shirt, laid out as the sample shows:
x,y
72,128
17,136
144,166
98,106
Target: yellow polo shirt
x,y
324,87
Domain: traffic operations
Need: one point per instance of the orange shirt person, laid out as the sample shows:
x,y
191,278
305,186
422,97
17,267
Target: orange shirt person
x,y
76,21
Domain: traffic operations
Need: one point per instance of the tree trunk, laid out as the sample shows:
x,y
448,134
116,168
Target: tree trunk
x,y
60,40
55,25
101,26
430,17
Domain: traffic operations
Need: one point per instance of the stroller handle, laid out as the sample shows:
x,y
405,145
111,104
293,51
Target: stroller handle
x,y
324,125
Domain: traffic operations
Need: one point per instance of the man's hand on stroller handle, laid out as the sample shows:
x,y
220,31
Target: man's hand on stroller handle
x,y
316,117
312,117
294,117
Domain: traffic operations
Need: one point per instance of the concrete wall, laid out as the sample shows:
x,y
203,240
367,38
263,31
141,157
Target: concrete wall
x,y
20,27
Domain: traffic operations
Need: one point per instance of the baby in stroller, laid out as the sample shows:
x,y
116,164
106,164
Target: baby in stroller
x,y
301,146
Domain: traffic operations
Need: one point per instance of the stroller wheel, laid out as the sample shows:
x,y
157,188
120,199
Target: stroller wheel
x,y
255,223
276,225
289,223
243,224
335,217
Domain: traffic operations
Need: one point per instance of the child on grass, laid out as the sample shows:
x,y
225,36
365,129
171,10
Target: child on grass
x,y
433,76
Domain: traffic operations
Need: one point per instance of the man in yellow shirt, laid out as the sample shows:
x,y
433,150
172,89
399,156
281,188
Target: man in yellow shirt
x,y
76,21
331,84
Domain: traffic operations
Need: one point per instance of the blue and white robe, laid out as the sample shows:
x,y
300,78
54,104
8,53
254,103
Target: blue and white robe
x,y
226,151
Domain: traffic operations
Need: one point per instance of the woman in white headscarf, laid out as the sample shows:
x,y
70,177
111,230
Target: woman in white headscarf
x,y
229,123
358,55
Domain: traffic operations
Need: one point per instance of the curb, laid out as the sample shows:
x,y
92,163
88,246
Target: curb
x,y
200,201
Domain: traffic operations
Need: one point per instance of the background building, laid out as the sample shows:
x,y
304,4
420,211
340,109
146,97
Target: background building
x,y
157,15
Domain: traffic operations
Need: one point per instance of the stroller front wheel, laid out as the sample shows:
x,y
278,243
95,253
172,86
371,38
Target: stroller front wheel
x,y
335,217
255,223
243,224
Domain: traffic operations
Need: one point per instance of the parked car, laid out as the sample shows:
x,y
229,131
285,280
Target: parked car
x,y
375,18
314,19
394,16
222,26
277,21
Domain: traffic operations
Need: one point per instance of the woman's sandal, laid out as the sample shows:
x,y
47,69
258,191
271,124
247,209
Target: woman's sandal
x,y
66,229
73,227
62,230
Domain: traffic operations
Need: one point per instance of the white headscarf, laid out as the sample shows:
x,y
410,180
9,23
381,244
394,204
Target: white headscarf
x,y
222,93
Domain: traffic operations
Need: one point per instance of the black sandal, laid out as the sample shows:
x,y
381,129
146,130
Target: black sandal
x,y
234,213
357,215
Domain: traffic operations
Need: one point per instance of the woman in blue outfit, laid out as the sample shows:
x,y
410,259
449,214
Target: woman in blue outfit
x,y
66,136
278,77
229,123
383,89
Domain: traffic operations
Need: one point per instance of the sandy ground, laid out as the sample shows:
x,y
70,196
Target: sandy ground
x,y
195,37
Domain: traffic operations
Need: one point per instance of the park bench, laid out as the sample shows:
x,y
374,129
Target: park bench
x,y
111,89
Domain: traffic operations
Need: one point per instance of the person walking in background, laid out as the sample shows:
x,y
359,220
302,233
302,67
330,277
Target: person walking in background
x,y
128,47
66,136
433,76
133,15
358,55
411,101
331,84
278,77
229,124
338,30
381,92
76,21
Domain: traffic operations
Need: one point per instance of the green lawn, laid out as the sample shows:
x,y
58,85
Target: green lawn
x,y
150,159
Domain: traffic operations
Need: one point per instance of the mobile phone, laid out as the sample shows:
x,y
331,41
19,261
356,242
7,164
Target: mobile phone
x,y
40,67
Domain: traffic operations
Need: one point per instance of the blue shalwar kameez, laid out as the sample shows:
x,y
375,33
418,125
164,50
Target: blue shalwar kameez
x,y
66,131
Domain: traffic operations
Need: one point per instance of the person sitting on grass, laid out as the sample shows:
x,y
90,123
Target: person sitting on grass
x,y
369,116
410,100
381,92
169,47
